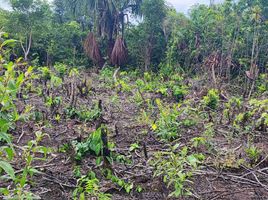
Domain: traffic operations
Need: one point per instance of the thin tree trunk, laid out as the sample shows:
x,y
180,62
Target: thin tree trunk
x,y
27,47
254,57
148,52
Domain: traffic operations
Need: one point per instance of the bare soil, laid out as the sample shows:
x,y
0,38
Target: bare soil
x,y
57,181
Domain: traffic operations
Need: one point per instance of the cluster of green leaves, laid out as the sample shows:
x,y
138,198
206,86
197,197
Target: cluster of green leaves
x,y
21,180
83,114
106,75
10,84
167,126
123,85
54,76
176,166
172,120
253,153
120,182
255,117
61,69
233,106
92,145
89,187
53,101
262,83
212,99
45,73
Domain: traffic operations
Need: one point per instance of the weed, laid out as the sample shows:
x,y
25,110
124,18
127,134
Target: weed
x,y
120,182
253,153
176,168
212,99
134,146
89,187
83,114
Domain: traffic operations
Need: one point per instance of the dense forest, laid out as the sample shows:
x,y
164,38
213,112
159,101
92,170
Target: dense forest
x,y
130,99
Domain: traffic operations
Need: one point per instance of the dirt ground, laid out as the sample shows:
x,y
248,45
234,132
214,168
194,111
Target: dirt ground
x,y
56,182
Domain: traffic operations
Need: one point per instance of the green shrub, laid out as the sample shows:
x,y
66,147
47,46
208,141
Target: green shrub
x,y
179,92
176,168
212,99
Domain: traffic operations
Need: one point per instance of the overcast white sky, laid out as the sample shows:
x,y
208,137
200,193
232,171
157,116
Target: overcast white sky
x,y
4,4
184,5
180,5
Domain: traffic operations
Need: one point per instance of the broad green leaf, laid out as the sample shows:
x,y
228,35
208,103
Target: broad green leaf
x,y
8,42
5,137
4,191
98,160
19,80
8,169
4,125
33,171
12,86
10,152
192,160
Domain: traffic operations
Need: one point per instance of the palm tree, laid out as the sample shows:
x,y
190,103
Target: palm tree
x,y
110,17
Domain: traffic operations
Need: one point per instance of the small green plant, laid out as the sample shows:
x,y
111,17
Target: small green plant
x,y
134,146
77,171
55,81
123,159
138,98
212,99
241,119
147,77
73,73
144,117
176,168
21,180
189,122
139,189
198,141
65,148
253,153
163,90
231,107
167,124
120,182
106,73
57,117
45,73
179,92
209,131
93,145
173,119
10,85
83,114
89,187
124,86
61,69
228,160
53,102
254,118
140,84
262,83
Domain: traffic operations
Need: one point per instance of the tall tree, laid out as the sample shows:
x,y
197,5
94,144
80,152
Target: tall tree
x,y
154,13
28,18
